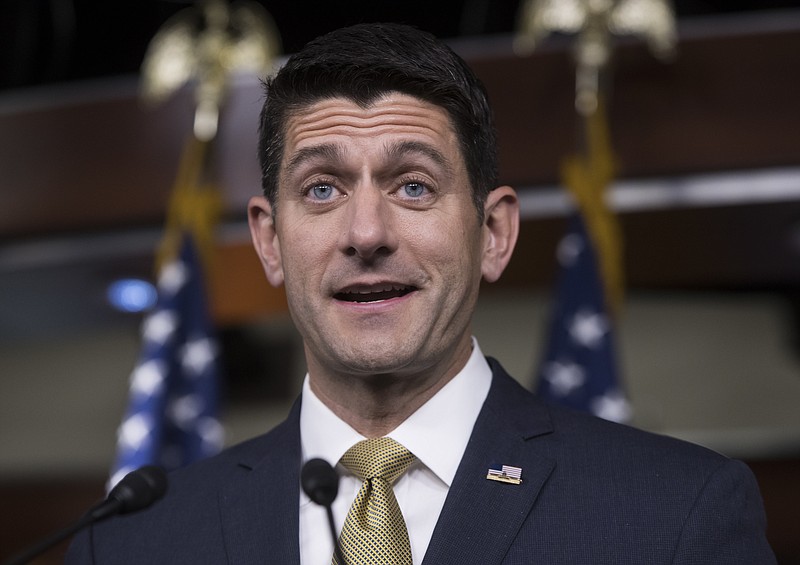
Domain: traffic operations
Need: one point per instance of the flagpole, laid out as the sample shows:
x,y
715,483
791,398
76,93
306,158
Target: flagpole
x,y
579,368
172,414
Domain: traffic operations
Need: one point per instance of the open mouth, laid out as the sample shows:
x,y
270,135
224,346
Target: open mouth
x,y
374,294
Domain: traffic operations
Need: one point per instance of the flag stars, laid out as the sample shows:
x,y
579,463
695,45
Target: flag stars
x,y
134,431
588,328
612,406
159,326
148,378
212,434
569,249
185,410
579,369
197,355
564,377
173,276
171,418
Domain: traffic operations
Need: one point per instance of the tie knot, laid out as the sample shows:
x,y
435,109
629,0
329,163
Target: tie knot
x,y
380,457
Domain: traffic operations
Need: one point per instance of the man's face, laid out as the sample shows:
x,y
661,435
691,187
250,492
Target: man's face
x,y
376,238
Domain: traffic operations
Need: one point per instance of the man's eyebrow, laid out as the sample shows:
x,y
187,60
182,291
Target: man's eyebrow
x,y
325,151
402,148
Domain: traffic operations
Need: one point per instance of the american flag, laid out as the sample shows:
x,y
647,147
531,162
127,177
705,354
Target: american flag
x,y
505,473
579,366
171,418
514,472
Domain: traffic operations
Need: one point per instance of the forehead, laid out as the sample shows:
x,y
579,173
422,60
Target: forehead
x,y
393,114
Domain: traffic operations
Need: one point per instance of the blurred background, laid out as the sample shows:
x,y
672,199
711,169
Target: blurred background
x,y
706,193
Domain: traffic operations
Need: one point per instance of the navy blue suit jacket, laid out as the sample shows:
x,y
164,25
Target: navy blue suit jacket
x,y
593,493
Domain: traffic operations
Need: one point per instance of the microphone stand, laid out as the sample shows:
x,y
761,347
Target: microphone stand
x,y
321,483
99,512
51,541
136,491
337,550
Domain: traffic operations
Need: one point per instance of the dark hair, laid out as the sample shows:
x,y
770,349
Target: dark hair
x,y
365,61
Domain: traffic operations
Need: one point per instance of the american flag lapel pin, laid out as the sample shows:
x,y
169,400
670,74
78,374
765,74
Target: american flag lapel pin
x,y
505,474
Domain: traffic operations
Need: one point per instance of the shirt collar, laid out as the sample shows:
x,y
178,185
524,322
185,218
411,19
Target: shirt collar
x,y
437,433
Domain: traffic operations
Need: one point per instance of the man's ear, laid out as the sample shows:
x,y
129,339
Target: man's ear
x,y
265,238
500,229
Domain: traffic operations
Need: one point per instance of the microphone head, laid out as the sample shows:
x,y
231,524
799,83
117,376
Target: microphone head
x,y
319,481
139,489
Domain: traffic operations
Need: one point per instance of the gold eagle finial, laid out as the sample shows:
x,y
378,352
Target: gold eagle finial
x,y
207,44
595,21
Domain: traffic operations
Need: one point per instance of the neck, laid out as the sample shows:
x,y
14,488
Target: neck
x,y
374,405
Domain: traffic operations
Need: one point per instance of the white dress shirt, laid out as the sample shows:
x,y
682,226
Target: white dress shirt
x,y
437,433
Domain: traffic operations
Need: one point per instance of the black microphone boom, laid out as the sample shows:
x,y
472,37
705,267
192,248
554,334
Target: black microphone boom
x,y
321,483
136,491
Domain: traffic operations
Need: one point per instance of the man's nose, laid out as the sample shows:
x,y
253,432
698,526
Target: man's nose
x,y
369,231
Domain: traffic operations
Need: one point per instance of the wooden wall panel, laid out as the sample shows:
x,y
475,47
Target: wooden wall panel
x,y
91,157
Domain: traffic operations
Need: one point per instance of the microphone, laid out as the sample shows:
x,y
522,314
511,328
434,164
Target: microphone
x,y
321,483
136,491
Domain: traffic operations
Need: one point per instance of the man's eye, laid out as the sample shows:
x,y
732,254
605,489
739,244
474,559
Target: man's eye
x,y
321,192
414,189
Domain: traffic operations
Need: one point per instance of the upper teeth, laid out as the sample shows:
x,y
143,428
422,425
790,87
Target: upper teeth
x,y
380,289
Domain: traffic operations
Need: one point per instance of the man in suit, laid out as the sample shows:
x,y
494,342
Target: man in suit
x,y
381,216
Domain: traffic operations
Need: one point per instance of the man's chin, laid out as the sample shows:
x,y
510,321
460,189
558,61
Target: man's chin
x,y
386,362
377,368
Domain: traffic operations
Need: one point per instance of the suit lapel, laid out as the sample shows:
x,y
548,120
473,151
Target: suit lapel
x,y
481,518
260,504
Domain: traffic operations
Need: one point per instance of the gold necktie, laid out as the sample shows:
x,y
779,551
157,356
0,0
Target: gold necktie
x,y
374,531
